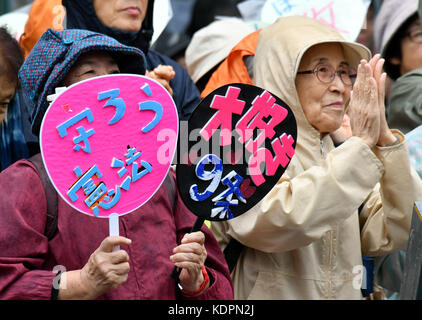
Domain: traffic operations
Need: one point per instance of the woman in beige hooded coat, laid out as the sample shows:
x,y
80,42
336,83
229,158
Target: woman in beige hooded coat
x,y
305,239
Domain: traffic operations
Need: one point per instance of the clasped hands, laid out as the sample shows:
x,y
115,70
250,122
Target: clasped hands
x,y
366,110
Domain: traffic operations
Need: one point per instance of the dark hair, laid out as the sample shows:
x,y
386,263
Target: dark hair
x,y
11,56
393,48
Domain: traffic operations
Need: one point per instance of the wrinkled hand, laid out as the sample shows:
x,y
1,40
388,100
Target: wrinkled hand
x,y
106,269
163,74
364,109
344,132
386,136
190,255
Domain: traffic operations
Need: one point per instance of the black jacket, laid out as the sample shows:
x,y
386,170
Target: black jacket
x,y
81,15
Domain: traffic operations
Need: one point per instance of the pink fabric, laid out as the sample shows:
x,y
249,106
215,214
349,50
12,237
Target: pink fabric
x,y
118,111
27,258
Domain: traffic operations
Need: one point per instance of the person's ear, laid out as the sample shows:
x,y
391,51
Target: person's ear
x,y
395,61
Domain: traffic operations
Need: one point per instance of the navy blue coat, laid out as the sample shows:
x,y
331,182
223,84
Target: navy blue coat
x,y
185,93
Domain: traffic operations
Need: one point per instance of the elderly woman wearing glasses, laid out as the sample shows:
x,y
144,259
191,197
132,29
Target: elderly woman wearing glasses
x,y
306,238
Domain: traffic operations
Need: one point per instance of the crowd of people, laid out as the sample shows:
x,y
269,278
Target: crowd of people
x,y
347,194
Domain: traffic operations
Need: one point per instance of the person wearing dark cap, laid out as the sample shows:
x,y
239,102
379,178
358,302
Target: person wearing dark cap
x,y
31,246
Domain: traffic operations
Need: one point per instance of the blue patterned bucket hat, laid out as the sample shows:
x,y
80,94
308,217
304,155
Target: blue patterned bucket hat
x,y
55,54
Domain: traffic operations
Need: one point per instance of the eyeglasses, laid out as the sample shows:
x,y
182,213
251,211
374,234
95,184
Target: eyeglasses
x,y
415,35
326,74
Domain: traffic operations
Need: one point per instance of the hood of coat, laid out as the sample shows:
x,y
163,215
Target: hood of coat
x,y
280,49
55,54
80,14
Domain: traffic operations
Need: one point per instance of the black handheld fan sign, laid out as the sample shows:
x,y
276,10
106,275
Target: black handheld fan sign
x,y
240,141
247,137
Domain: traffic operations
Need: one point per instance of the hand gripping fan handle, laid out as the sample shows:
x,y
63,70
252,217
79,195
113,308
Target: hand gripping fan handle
x,y
196,227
